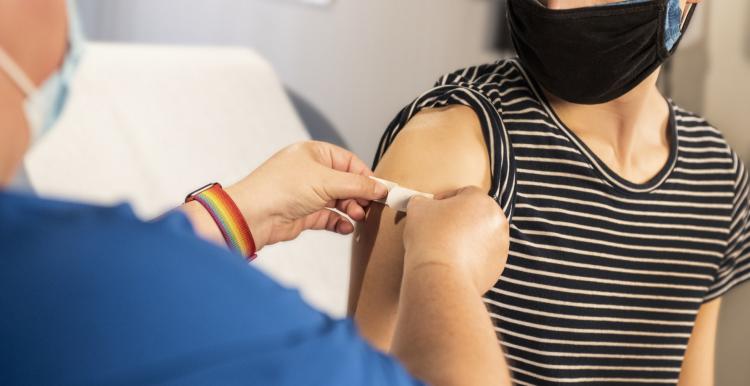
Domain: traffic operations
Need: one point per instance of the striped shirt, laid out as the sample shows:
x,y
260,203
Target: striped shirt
x,y
604,276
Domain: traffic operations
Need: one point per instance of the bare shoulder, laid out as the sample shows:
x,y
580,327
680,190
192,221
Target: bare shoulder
x,y
438,150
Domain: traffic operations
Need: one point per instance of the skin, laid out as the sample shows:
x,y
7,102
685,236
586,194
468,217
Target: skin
x,y
421,145
33,33
629,134
621,131
442,274
291,192
321,176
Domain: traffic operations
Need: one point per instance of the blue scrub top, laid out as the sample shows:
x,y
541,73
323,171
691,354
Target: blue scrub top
x,y
91,295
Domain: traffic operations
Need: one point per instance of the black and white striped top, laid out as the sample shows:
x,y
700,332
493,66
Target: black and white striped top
x,y
605,277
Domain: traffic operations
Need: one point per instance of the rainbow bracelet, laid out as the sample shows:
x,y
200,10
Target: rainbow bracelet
x,y
228,218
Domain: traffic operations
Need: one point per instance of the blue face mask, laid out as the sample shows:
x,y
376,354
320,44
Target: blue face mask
x,y
672,24
45,104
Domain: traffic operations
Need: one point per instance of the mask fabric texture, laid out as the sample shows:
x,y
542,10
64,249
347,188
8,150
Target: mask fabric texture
x,y
596,54
44,105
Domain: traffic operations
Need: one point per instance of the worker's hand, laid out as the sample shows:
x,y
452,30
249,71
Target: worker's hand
x,y
463,230
289,193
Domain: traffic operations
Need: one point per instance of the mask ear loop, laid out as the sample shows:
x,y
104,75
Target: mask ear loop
x,y
687,17
683,27
16,74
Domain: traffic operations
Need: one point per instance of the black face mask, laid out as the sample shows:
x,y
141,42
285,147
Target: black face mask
x,y
590,55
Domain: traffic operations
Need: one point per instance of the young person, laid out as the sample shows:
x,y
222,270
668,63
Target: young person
x,y
629,215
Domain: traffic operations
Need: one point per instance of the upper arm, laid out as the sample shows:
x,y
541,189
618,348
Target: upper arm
x,y
438,150
733,269
698,365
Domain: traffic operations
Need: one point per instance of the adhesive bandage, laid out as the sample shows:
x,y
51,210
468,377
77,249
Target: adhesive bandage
x,y
398,196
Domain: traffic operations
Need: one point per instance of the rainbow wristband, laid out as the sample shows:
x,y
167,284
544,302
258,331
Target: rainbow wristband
x,y
228,218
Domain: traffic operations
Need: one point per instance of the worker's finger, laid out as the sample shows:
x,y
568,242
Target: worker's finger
x,y
343,226
352,208
329,220
343,185
332,221
345,161
339,224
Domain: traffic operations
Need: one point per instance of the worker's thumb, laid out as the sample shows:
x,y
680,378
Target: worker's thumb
x,y
343,185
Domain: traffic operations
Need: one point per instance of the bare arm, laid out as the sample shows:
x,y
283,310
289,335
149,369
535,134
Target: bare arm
x,y
443,332
438,150
447,348
698,366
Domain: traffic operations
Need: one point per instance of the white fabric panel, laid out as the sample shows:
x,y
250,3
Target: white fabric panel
x,y
148,124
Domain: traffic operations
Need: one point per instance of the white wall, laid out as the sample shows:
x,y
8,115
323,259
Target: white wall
x,y
359,61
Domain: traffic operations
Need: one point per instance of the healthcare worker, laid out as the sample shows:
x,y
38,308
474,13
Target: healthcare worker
x,y
92,295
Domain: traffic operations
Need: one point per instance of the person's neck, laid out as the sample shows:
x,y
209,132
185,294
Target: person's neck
x,y
629,133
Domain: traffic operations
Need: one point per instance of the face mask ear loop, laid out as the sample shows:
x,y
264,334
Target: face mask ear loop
x,y
687,18
683,28
16,74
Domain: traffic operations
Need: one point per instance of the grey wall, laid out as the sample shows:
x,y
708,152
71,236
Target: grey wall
x,y
360,61
712,77
712,72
